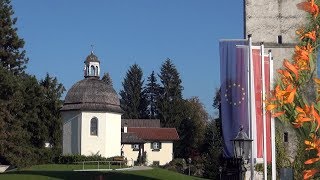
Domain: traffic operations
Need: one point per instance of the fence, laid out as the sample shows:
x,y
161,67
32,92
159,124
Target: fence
x,y
122,164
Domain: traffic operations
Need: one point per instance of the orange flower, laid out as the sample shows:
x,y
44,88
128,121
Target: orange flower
x,y
314,144
277,114
317,81
309,7
271,107
301,56
291,67
307,174
290,93
302,52
285,96
303,116
311,35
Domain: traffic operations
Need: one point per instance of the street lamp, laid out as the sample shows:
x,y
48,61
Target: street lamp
x,y
189,161
242,145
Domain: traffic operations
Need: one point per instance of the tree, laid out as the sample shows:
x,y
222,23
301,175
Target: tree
x,y
107,79
133,99
170,99
152,93
50,111
213,150
192,129
12,57
14,138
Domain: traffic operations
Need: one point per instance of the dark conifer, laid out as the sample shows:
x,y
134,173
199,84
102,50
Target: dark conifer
x,y
107,79
133,100
152,94
170,100
12,55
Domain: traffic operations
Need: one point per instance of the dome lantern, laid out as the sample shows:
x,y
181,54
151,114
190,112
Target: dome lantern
x,y
91,66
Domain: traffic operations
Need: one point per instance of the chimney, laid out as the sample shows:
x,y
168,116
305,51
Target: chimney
x,y
125,128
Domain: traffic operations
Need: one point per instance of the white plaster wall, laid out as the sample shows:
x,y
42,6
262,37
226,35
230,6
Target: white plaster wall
x,y
108,141
113,132
163,156
130,154
71,132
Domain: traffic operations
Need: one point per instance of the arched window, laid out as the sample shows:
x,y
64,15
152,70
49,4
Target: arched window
x,y
92,71
97,70
94,126
87,71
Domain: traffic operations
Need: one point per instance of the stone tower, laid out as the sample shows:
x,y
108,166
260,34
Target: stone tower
x,y
274,22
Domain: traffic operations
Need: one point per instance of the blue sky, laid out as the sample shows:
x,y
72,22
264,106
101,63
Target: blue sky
x,y
59,35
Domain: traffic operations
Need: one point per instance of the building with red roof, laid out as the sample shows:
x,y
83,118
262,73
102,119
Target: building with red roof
x,y
145,136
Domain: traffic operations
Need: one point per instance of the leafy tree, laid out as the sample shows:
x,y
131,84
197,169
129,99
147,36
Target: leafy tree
x,y
213,150
133,99
192,129
107,79
152,93
12,57
170,101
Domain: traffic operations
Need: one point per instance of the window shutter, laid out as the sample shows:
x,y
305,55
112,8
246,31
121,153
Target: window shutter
x,y
132,146
151,145
160,145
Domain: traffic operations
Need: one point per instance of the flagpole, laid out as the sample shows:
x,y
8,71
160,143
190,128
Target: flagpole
x,y
273,136
264,113
250,106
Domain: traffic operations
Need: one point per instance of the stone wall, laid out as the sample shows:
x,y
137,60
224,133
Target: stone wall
x,y
266,20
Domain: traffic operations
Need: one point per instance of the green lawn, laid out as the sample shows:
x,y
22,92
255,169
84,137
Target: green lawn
x,y
55,172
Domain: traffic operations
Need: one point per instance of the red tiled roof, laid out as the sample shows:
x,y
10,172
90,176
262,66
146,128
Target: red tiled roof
x,y
161,134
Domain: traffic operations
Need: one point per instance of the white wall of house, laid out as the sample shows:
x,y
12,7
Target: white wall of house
x,y
107,142
71,132
130,154
164,155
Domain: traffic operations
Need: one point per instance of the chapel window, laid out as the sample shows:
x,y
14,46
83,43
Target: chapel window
x,y
94,127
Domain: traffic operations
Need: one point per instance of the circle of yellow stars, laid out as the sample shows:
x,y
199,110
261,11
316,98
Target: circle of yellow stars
x,y
231,99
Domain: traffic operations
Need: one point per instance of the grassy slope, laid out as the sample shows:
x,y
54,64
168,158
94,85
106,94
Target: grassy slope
x,y
54,171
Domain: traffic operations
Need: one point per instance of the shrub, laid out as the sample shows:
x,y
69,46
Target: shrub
x,y
177,165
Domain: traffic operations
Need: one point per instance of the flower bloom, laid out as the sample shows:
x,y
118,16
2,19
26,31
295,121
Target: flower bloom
x,y
309,7
307,174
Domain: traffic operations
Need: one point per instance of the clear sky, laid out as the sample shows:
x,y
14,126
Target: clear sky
x,y
59,35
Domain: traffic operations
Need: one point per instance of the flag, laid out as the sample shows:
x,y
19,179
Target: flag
x,y
258,98
234,97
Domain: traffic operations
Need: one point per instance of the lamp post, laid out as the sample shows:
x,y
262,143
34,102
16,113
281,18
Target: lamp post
x,y
242,146
189,161
220,172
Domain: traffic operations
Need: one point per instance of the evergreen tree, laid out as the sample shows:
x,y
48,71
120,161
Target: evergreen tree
x,y
133,99
50,113
14,138
107,79
152,94
12,57
170,99
29,112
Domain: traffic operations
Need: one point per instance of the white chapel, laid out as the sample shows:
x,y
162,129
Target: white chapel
x,y
91,115
92,123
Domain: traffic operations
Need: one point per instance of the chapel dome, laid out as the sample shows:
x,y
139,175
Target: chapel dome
x,y
91,58
92,94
